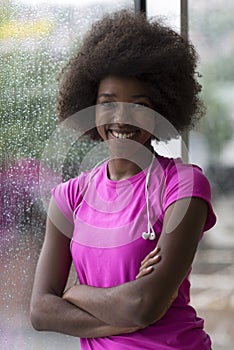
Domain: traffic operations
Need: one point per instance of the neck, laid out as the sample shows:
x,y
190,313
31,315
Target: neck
x,y
120,168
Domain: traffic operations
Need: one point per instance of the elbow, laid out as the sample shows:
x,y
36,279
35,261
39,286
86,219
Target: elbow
x,y
148,317
144,317
147,311
36,317
35,321
137,313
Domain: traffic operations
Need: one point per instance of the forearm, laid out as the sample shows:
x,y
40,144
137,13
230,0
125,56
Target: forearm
x,y
112,305
118,306
56,314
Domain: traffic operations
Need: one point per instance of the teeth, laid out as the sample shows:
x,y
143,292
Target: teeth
x,y
123,135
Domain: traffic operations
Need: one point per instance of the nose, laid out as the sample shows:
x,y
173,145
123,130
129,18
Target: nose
x,y
122,113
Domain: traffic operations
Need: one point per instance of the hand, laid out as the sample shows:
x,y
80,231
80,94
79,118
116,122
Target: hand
x,y
147,264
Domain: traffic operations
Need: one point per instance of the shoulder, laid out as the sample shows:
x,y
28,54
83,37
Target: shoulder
x,y
68,194
177,172
66,191
183,180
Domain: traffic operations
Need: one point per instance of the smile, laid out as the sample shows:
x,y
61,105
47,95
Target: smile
x,y
123,135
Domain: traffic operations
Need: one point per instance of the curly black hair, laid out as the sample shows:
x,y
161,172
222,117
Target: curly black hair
x,y
127,44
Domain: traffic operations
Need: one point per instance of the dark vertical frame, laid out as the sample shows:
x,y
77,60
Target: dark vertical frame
x,y
184,34
140,6
184,19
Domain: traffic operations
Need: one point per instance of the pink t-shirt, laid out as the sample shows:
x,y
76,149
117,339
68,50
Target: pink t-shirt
x,y
107,245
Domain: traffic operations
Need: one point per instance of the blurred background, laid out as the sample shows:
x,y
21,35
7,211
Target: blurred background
x,y
36,40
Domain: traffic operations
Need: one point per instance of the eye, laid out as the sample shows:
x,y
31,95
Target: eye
x,y
107,104
140,105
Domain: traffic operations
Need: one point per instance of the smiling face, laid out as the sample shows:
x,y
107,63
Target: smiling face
x,y
124,113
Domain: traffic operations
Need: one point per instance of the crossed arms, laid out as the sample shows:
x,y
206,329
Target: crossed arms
x,y
85,311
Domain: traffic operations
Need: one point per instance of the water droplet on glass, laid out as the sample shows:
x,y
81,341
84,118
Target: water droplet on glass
x,y
35,42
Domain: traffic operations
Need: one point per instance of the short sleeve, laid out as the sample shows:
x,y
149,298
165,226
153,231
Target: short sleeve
x,y
65,196
187,180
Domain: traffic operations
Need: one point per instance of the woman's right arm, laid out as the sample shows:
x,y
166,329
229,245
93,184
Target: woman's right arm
x,y
48,310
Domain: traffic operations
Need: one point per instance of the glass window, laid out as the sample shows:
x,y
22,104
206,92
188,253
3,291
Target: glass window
x,y
211,146
36,39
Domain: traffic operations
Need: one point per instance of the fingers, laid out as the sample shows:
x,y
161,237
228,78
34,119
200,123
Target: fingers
x,y
147,264
144,272
151,254
152,261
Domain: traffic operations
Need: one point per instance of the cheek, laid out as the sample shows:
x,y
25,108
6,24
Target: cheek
x,y
146,120
99,122
101,130
146,137
148,128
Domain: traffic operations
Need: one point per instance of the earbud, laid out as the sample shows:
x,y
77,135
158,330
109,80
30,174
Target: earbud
x,y
149,235
152,236
145,235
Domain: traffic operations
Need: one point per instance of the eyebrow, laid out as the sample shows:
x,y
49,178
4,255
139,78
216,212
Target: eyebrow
x,y
141,96
106,94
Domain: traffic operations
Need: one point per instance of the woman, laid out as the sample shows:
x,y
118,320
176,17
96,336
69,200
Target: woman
x,y
132,224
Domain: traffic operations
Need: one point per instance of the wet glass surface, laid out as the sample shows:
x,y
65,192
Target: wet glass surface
x,y
36,40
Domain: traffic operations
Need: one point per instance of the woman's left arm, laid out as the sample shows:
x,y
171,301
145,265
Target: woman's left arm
x,y
144,301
